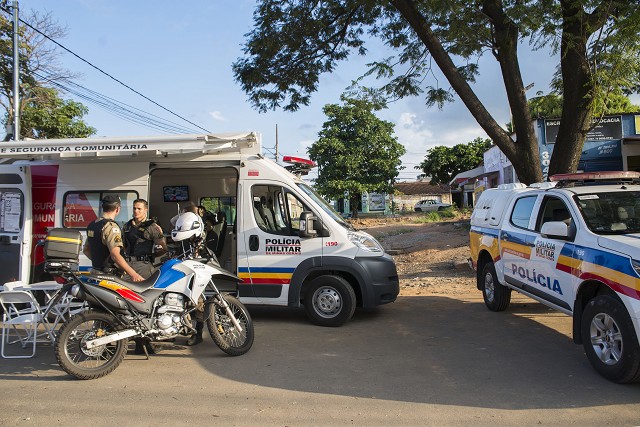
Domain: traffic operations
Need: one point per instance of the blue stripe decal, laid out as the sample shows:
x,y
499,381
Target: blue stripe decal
x,y
600,258
265,270
486,231
168,275
519,238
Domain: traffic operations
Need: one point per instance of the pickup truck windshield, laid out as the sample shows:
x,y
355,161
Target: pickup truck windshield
x,y
324,205
616,212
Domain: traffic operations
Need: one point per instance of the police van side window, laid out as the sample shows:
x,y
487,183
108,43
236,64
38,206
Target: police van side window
x,y
80,208
275,210
522,211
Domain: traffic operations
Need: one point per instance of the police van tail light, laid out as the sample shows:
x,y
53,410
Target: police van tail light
x,y
636,266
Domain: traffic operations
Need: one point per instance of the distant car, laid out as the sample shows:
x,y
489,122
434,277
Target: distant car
x,y
430,205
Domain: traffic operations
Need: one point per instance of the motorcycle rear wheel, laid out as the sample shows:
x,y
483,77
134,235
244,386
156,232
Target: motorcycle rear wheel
x,y
74,356
222,330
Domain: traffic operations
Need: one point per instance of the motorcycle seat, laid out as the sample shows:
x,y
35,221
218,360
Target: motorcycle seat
x,y
137,286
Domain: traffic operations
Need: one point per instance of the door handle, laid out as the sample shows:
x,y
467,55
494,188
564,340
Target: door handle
x,y
254,242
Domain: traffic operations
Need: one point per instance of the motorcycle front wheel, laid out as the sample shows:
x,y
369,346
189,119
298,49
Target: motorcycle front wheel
x,y
71,348
221,327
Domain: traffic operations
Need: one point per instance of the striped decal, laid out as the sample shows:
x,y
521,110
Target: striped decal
x,y
613,270
123,291
265,275
62,239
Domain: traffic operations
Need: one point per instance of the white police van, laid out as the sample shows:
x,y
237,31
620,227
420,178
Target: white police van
x,y
279,236
574,245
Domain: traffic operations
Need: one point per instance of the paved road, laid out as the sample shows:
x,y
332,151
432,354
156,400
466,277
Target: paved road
x,y
420,361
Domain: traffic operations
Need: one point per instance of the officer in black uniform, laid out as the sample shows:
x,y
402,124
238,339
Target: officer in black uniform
x,y
104,242
141,236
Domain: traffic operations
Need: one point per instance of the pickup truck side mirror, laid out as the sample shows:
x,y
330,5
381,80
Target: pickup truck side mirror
x,y
307,227
555,230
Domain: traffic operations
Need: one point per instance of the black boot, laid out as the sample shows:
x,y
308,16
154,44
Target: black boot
x,y
197,337
141,343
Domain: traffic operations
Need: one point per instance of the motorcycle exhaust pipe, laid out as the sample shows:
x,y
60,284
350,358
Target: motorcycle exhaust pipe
x,y
111,338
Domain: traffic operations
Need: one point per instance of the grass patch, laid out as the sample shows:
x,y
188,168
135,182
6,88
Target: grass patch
x,y
437,216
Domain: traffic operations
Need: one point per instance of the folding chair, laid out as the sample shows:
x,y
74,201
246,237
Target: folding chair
x,y
22,315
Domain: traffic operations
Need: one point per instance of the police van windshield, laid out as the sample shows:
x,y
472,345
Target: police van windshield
x,y
326,207
616,212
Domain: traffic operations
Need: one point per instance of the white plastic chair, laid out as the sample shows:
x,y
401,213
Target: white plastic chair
x,y
22,315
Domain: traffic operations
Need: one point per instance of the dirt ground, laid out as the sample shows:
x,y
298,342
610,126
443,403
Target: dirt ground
x,y
431,258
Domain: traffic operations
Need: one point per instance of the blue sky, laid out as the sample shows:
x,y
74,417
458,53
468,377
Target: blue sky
x,y
180,53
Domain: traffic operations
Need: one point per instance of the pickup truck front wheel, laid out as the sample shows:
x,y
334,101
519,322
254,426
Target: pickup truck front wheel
x,y
610,341
329,300
496,296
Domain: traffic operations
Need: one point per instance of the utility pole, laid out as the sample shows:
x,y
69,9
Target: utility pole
x,y
276,143
16,75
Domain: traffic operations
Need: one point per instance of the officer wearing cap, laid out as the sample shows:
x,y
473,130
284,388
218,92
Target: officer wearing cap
x,y
104,241
141,235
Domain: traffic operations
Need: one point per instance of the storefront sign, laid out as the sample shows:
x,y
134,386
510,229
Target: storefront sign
x,y
607,129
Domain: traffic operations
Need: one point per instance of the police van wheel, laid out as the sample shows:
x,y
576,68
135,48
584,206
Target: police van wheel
x,y
609,340
329,301
496,296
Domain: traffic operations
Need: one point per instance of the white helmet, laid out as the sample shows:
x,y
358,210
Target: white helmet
x,y
187,225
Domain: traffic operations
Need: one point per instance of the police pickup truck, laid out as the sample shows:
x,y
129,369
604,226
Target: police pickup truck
x,y
574,245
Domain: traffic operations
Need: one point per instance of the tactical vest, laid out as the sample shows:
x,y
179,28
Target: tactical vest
x,y
99,252
135,243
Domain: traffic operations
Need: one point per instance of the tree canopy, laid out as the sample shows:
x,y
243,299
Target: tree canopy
x,y
294,41
443,163
52,117
356,152
43,113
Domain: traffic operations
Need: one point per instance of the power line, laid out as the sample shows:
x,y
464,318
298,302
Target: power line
x,y
120,109
104,72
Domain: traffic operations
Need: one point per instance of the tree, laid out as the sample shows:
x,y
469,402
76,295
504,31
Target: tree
x,y
52,117
550,106
355,152
39,68
295,41
442,163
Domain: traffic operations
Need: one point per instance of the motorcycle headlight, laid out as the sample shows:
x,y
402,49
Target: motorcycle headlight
x,y
365,242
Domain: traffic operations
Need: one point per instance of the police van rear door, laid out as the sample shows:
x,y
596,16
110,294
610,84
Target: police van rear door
x,y
15,223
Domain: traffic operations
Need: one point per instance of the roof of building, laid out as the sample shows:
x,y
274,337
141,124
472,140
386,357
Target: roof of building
x,y
420,188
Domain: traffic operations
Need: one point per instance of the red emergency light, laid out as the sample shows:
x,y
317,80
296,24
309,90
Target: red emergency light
x,y
298,161
298,165
596,176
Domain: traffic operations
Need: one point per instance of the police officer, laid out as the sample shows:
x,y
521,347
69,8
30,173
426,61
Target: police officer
x,y
141,236
104,242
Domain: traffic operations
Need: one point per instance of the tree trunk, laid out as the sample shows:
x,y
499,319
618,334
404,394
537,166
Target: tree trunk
x,y
523,153
354,203
577,103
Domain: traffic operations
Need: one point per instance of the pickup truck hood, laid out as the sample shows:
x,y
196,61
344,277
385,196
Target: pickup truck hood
x,y
627,244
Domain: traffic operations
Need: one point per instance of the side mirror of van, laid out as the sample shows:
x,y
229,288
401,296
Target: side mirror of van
x,y
307,228
555,230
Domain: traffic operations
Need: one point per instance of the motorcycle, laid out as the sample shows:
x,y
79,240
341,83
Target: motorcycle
x,y
93,343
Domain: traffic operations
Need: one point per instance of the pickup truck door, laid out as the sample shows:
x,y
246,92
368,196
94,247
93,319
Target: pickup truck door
x,y
552,258
517,238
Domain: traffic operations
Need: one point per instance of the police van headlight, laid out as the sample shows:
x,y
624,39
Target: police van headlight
x,y
365,241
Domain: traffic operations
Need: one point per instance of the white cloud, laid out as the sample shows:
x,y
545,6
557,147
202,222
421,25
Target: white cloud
x,y
217,115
